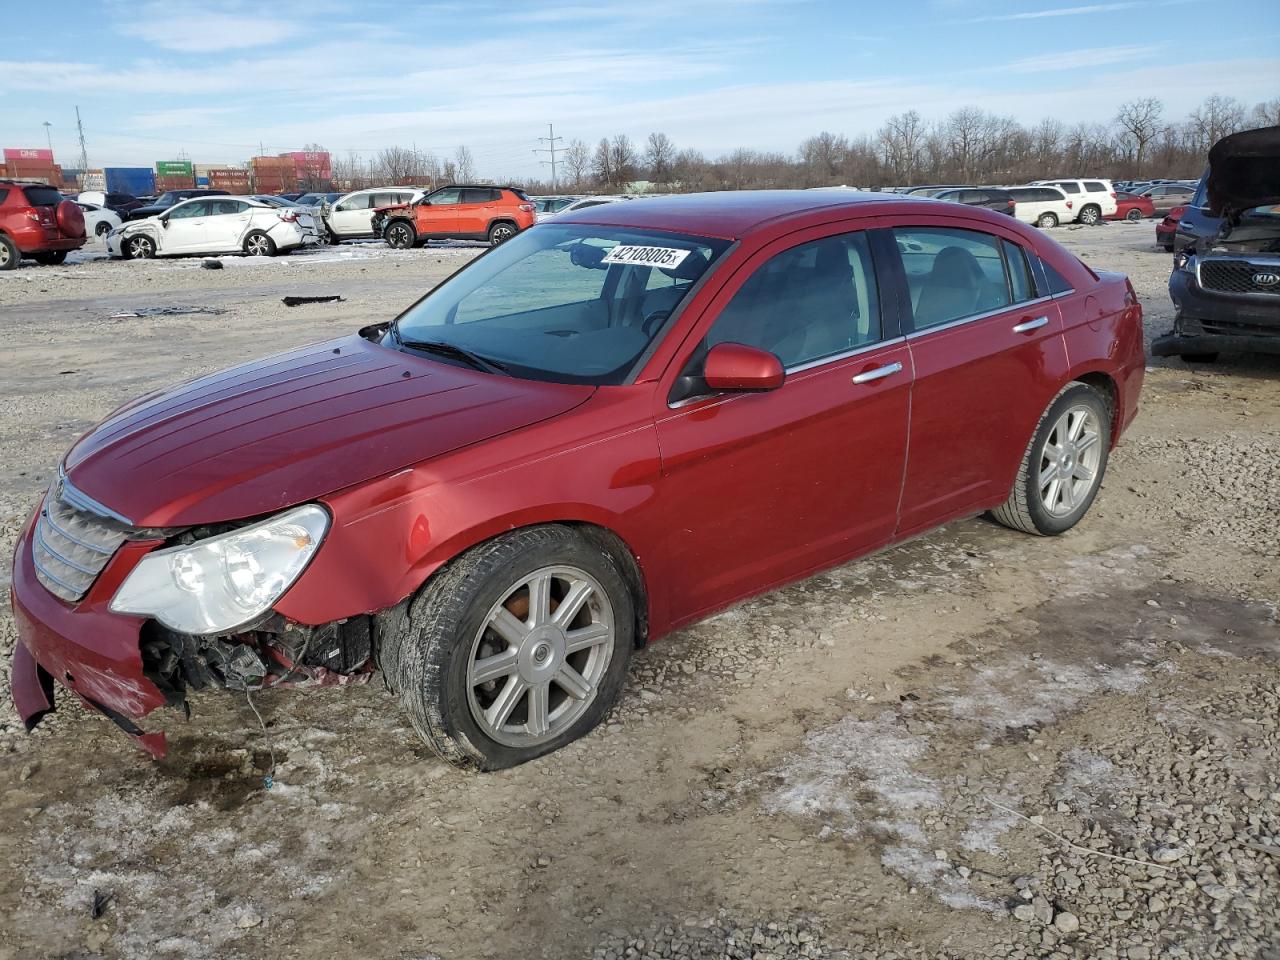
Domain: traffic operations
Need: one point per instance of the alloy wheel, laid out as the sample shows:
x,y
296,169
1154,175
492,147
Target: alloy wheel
x,y
1069,461
1089,217
4,255
540,656
141,248
502,234
257,246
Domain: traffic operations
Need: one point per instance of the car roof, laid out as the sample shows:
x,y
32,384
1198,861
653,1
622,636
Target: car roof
x,y
727,214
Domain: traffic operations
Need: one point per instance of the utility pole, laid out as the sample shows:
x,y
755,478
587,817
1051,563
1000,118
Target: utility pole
x,y
84,151
551,148
47,135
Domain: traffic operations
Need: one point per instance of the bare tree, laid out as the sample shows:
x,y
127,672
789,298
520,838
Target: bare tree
x,y
465,164
1139,122
1267,114
622,160
577,162
659,153
1216,117
602,163
823,156
397,165
902,138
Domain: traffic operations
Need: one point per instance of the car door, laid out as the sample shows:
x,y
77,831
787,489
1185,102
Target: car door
x,y
438,214
986,349
759,488
350,217
227,224
475,209
184,229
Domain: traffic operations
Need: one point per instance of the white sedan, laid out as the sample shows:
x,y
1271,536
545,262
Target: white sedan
x,y
205,225
98,221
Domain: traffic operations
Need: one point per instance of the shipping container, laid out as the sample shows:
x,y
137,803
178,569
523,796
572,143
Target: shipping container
x,y
93,180
312,166
174,168
27,153
136,181
175,183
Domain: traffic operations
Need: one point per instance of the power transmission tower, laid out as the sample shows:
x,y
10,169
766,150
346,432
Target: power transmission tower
x,y
551,148
47,135
84,151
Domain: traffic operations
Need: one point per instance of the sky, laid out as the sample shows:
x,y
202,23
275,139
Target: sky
x,y
216,81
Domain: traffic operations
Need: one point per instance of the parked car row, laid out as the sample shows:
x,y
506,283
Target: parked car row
x,y
216,224
1044,203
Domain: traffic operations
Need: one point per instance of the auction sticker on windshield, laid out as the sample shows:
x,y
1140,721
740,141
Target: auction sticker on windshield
x,y
666,257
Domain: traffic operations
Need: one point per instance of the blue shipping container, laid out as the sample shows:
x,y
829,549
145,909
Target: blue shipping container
x,y
202,181
137,181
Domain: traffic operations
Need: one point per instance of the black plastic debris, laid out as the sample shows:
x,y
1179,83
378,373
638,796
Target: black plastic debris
x,y
211,265
296,301
101,900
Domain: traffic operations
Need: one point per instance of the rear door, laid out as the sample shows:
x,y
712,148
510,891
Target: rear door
x,y
986,349
228,223
759,488
476,207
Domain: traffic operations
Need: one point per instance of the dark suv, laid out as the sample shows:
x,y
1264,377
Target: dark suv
x,y
990,198
38,222
169,198
1225,283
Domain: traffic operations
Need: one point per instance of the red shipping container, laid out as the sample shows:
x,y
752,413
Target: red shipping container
x,y
28,153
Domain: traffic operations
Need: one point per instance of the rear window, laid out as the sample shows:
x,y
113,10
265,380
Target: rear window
x,y
4,192
42,196
521,194
1057,282
1070,186
1094,186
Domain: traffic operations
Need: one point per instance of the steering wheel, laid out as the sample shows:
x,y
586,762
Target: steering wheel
x,y
653,319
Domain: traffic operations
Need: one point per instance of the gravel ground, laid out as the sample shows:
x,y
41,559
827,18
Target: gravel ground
x,y
977,744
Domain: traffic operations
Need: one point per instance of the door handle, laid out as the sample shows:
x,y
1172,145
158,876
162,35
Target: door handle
x,y
879,373
1029,325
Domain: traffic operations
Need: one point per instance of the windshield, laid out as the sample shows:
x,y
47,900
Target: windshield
x,y
573,303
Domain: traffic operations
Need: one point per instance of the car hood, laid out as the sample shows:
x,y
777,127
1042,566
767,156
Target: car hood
x,y
1244,172
293,427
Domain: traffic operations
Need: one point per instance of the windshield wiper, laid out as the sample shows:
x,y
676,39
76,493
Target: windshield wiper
x,y
454,352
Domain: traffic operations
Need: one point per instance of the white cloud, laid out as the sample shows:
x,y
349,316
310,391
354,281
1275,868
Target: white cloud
x,y
1077,59
191,28
1076,11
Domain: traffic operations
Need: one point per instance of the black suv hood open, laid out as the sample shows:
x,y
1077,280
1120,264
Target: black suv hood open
x,y
1244,172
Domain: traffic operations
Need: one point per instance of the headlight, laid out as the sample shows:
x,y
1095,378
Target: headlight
x,y
1184,261
215,584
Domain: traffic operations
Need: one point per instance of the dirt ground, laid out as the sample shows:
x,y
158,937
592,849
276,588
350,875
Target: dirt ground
x,y
938,751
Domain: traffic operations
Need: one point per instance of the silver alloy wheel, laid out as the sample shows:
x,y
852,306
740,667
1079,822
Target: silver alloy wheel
x,y
398,236
257,246
538,661
502,233
141,248
1089,216
1047,220
1069,461
4,255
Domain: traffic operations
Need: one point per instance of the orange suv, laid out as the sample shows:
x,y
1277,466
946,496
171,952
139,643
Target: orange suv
x,y
37,221
456,212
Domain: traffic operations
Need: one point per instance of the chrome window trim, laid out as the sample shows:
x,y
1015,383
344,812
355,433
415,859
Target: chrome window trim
x,y
986,315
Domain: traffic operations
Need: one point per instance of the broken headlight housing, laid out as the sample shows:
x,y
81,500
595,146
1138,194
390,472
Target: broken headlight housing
x,y
219,583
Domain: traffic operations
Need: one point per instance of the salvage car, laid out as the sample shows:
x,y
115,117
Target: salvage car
x,y
606,428
1132,207
456,212
1225,283
98,221
37,223
215,225
351,217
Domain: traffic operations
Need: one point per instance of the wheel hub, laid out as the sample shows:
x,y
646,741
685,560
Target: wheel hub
x,y
541,654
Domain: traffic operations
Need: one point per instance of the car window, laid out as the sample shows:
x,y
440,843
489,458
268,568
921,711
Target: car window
x,y
814,300
193,208
446,196
224,207
359,201
4,193
1057,282
1093,186
1021,284
951,273
1068,185
42,196
476,195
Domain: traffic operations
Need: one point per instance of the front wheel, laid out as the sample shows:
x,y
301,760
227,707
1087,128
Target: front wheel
x,y
1063,466
102,229
1134,215
400,235
1090,215
139,248
1047,220
501,233
514,649
258,244
9,255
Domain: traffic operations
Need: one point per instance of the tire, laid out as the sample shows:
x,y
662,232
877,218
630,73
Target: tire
x,y
1035,506
429,656
501,232
50,258
400,235
1199,357
1090,215
9,255
140,247
102,229
1134,215
1046,220
1168,247
258,244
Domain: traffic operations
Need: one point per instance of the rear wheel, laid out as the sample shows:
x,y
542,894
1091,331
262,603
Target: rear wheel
x,y
9,255
50,258
501,233
400,235
102,229
139,248
1064,464
1090,215
514,649
1047,220
258,244
1134,215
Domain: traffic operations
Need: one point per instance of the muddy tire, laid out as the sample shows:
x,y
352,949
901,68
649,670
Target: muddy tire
x,y
1090,215
479,658
258,244
1046,220
501,232
400,235
1062,469
9,255
50,258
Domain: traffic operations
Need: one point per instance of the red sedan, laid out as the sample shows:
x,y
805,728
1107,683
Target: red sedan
x,y
1167,229
1132,206
612,425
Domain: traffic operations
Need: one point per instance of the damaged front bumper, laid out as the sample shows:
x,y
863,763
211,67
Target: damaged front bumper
x,y
1215,321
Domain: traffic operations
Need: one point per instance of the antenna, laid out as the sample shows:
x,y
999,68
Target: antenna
x,y
550,139
84,151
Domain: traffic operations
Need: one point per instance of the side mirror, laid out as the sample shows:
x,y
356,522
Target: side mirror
x,y
737,367
164,220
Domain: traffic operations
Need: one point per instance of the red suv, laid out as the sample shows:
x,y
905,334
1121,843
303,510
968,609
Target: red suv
x,y
605,429
37,222
456,212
